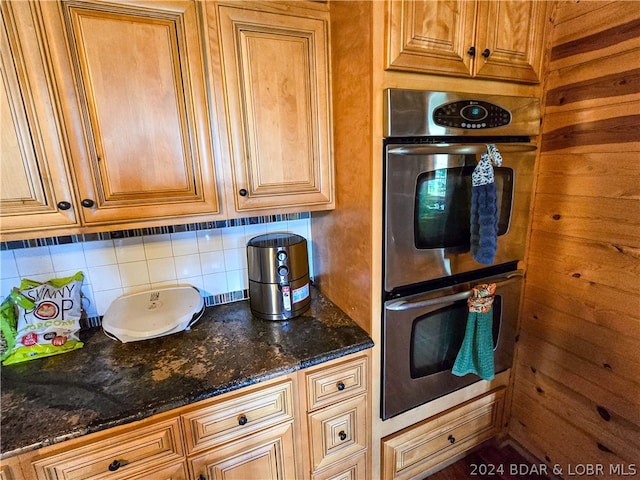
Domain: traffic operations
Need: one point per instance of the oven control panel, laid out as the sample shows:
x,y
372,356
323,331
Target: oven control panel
x,y
471,114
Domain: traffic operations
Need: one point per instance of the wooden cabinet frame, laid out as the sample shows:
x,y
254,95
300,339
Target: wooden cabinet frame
x,y
500,40
276,81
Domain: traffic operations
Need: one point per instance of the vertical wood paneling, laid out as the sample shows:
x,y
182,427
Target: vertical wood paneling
x,y
577,375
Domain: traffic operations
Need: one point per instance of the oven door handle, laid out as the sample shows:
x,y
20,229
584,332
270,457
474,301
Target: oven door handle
x,y
461,149
402,305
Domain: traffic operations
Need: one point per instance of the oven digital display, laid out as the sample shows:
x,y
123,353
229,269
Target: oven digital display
x,y
471,114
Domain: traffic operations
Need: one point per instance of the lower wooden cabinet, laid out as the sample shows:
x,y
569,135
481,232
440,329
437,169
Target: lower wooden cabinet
x,y
268,455
250,434
411,452
313,424
338,410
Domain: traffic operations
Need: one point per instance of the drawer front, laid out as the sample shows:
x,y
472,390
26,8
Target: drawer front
x,y
421,447
128,455
353,468
336,383
338,432
176,471
239,416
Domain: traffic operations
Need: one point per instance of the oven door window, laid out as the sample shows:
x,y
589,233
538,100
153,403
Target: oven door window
x,y
436,337
442,206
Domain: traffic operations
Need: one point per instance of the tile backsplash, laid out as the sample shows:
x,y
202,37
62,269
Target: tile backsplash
x,y
212,259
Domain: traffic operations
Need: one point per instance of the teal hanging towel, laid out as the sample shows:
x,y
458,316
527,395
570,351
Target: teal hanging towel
x,y
476,353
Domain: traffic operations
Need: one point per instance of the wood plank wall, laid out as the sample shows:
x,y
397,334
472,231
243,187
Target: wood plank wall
x,y
576,393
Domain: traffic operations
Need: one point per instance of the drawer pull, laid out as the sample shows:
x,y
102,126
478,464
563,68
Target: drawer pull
x,y
342,435
242,420
341,386
202,477
451,439
115,465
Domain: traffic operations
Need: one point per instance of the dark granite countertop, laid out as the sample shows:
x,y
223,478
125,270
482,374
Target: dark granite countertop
x,y
108,383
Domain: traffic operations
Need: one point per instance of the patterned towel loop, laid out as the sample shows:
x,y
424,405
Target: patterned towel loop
x,y
494,155
482,298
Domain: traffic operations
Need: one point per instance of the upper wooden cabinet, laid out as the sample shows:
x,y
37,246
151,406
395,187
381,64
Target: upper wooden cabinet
x,y
276,82
34,192
500,40
132,89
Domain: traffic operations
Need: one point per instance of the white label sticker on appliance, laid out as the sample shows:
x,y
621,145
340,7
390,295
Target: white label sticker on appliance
x,y
301,293
286,298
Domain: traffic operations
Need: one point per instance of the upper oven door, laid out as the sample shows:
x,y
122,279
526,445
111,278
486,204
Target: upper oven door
x,y
427,209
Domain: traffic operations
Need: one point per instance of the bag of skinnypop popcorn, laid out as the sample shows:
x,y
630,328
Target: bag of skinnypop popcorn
x,y
49,318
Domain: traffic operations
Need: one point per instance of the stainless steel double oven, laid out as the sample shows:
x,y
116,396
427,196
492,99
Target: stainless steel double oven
x,y
433,142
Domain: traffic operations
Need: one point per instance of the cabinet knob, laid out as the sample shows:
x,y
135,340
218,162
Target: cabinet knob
x,y
87,203
471,52
243,192
242,420
113,466
64,205
202,477
341,386
342,435
451,439
486,52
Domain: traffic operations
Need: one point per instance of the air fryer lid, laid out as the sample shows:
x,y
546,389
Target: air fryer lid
x,y
152,313
273,240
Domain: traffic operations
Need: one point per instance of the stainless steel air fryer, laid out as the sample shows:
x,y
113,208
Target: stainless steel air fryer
x,y
278,276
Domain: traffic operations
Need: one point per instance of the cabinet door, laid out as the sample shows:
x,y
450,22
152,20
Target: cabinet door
x,y
430,36
132,79
268,455
34,193
512,34
277,88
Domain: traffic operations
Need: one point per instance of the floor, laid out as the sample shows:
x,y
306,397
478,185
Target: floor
x,y
494,463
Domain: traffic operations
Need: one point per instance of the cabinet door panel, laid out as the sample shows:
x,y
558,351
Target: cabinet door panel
x,y
430,36
513,32
276,78
33,165
268,455
132,79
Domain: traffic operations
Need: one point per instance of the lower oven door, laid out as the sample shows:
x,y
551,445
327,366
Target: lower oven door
x,y
422,335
